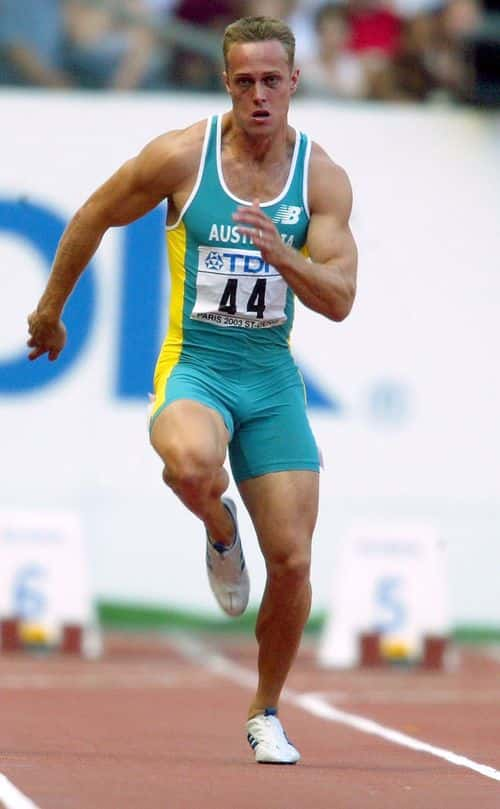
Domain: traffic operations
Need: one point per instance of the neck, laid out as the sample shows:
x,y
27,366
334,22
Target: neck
x,y
259,148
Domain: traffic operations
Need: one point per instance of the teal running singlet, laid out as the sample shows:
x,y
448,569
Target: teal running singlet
x,y
231,312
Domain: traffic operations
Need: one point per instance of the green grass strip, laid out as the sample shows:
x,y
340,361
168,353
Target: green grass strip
x,y
122,615
477,634
116,615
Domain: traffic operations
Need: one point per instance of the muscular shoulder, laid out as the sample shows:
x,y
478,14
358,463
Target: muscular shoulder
x,y
170,159
329,186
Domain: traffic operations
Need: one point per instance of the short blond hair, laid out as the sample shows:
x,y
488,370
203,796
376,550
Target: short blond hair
x,y
259,29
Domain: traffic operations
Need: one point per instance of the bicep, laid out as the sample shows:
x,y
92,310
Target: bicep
x,y
123,198
330,241
139,185
329,238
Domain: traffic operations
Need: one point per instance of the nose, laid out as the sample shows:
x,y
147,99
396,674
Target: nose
x,y
259,92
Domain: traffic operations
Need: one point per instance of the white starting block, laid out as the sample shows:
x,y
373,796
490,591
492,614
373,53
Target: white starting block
x,y
390,583
45,595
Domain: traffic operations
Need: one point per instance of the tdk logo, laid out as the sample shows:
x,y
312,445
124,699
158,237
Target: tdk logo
x,y
233,262
287,215
214,261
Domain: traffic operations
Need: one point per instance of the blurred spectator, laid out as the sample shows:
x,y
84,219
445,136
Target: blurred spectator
x,y
191,69
409,9
335,71
162,8
32,43
214,14
430,62
268,8
368,29
407,77
298,14
109,45
456,21
375,28
403,50
301,17
374,38
482,58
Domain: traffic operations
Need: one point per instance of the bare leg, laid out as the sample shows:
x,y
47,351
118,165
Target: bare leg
x,y
192,441
283,507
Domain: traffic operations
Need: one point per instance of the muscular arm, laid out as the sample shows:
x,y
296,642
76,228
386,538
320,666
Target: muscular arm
x,y
326,283
136,188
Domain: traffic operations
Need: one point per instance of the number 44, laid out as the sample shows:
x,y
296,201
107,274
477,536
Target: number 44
x,y
256,300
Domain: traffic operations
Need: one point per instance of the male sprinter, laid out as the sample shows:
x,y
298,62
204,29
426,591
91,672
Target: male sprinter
x,y
248,196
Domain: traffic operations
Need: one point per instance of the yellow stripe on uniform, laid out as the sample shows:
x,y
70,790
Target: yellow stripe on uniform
x,y
172,345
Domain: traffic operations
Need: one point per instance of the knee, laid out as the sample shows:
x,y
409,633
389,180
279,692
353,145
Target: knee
x,y
290,569
187,471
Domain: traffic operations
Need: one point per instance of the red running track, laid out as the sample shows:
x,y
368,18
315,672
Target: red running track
x,y
158,723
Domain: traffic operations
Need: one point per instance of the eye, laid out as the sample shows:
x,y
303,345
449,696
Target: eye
x,y
272,81
243,82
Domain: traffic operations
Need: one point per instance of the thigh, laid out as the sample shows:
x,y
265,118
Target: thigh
x,y
189,428
284,508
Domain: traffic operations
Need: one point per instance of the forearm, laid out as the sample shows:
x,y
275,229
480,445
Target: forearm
x,y
327,283
78,244
328,289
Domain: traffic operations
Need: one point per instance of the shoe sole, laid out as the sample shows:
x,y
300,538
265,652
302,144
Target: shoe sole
x,y
279,763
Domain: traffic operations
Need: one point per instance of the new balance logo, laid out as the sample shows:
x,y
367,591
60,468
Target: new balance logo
x,y
287,215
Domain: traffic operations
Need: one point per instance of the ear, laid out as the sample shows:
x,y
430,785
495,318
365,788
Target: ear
x,y
294,80
225,79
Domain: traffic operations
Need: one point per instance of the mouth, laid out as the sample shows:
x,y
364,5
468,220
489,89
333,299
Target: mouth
x,y
260,115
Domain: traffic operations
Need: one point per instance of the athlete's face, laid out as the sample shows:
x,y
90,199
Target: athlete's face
x,y
260,83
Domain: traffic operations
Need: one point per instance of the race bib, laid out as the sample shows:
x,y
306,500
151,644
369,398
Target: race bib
x,y
236,287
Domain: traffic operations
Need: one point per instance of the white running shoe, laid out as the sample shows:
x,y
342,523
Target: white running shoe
x,y
227,572
269,741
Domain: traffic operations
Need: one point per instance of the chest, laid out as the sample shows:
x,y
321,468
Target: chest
x,y
252,180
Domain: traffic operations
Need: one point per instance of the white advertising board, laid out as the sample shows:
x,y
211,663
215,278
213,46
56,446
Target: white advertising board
x,y
44,573
391,580
404,394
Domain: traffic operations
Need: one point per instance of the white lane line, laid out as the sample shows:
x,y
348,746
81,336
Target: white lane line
x,y
97,681
193,649
434,696
11,798
314,704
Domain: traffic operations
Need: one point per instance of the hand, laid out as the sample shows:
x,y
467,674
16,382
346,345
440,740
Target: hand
x,y
47,336
261,229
